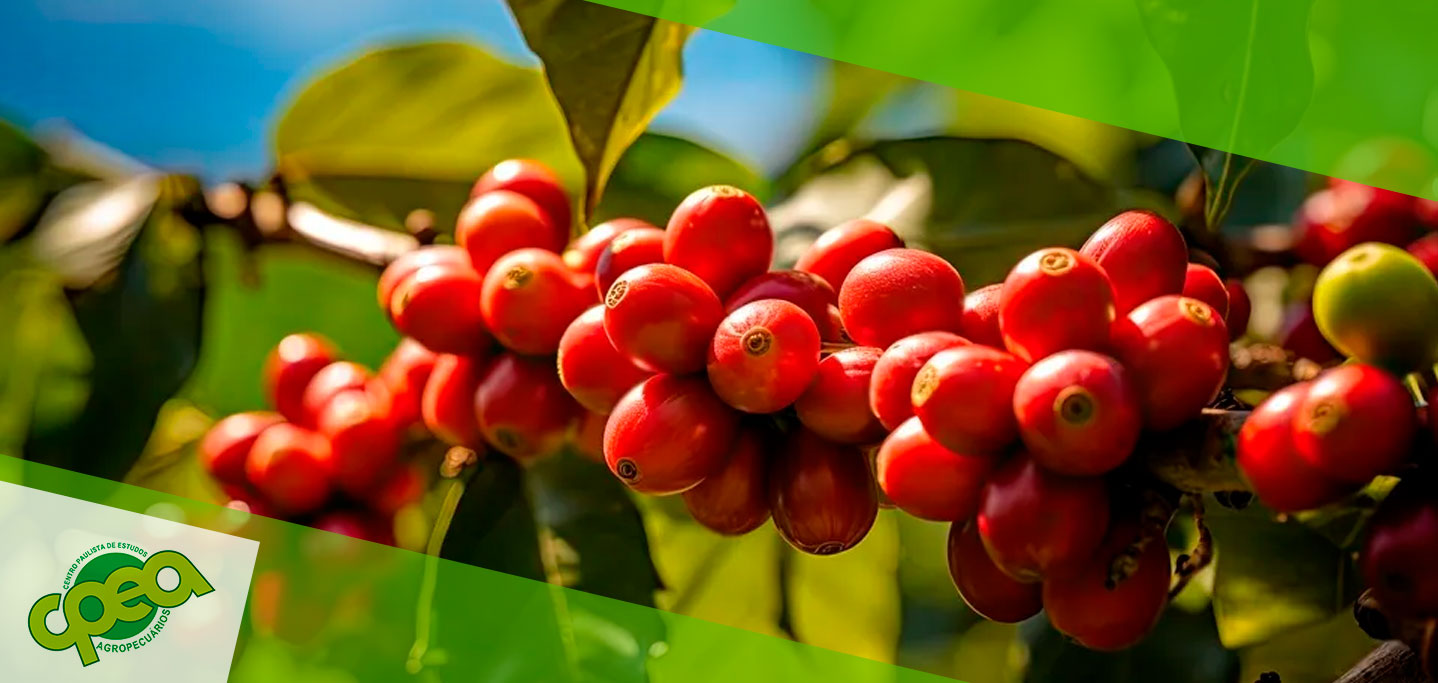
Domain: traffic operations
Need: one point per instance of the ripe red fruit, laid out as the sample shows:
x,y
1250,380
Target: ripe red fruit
x,y
290,466
836,404
1355,423
448,402
667,434
980,324
1054,300
721,234
410,261
662,317
1203,284
1426,211
965,398
438,306
1401,548
843,246
1078,413
927,480
227,445
1332,220
289,369
1038,525
1425,248
1239,308
1299,334
588,439
734,499
357,526
1176,351
403,485
822,495
805,290
404,375
1085,608
364,441
630,249
892,382
985,588
528,299
532,179
522,408
1143,254
582,255
899,292
496,223
590,368
763,356
329,382
1266,456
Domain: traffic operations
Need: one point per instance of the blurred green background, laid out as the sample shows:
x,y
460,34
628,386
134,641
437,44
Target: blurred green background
x,y
127,326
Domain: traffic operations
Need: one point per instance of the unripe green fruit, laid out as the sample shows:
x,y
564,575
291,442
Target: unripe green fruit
x,y
1379,304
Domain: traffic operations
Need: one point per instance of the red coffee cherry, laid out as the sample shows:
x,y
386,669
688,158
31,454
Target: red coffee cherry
x,y
822,495
667,434
843,246
980,323
892,383
438,306
364,441
227,445
763,356
836,404
1401,547
1239,308
448,402
734,500
662,317
1270,463
1335,219
927,480
523,410
1425,249
588,439
1039,525
1176,352
1299,333
290,466
1078,413
590,368
985,588
403,485
410,261
1203,284
965,398
582,255
529,297
1355,423
328,383
805,290
899,292
532,179
289,369
630,249
496,223
356,525
1054,300
1426,211
404,375
1143,254
1101,616
721,234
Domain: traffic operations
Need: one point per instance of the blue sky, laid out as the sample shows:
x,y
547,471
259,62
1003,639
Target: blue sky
x,y
194,85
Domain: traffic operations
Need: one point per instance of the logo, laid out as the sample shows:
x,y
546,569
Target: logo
x,y
118,594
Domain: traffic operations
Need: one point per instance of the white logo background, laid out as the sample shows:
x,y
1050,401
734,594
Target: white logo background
x,y
42,534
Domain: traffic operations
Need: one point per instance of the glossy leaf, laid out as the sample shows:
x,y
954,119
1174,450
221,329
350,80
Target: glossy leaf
x,y
659,171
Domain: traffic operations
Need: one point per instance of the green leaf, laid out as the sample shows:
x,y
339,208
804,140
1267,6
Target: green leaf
x,y
1294,657
44,361
850,602
610,70
854,93
22,190
1272,577
659,171
1241,88
412,126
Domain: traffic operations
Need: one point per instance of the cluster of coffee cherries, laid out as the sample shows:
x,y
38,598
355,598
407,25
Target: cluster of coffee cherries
x,y
328,454
867,375
1315,442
